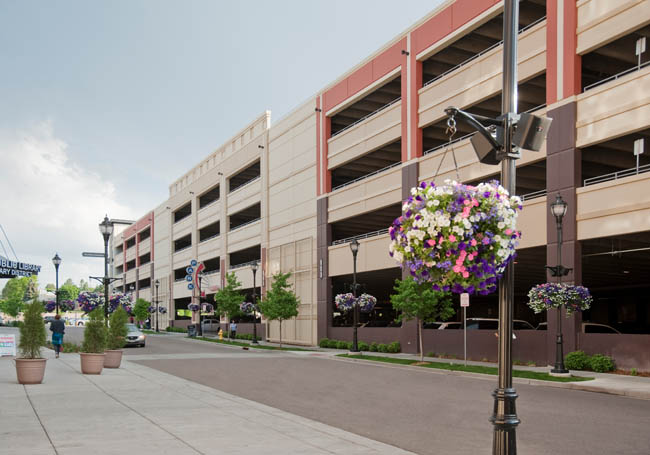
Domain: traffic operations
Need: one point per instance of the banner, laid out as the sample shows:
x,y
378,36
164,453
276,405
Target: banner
x,y
7,345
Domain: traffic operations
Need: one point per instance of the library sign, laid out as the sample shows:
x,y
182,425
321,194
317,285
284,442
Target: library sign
x,y
14,269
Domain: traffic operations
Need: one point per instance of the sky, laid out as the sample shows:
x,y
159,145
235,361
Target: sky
x,y
105,103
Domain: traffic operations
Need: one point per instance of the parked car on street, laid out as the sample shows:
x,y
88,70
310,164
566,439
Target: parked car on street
x,y
443,325
134,337
210,325
587,327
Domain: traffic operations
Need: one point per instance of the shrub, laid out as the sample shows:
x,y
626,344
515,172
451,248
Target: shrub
x,y
176,329
66,347
373,347
601,363
576,360
32,332
633,372
382,347
349,345
117,329
363,346
324,343
95,333
341,345
394,347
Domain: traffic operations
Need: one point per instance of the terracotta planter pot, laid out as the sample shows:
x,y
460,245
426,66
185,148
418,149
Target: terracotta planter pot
x,y
113,358
91,363
30,371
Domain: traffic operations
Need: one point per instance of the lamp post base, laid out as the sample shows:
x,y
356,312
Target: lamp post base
x,y
560,373
505,421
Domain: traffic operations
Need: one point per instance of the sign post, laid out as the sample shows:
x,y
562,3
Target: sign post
x,y
464,303
8,345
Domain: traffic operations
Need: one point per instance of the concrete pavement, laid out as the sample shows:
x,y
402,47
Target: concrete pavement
x,y
141,410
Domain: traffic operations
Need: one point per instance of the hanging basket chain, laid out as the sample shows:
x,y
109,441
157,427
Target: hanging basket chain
x,y
451,132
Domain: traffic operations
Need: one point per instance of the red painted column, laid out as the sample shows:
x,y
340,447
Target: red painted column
x,y
319,115
563,65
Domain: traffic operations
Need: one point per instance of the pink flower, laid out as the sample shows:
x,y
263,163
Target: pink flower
x,y
431,242
466,212
452,238
465,274
457,268
467,202
440,240
508,231
472,242
474,203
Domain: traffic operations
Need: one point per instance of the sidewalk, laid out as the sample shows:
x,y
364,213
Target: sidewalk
x,y
136,409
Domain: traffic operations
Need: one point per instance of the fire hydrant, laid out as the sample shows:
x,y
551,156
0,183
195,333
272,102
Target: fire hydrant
x,y
220,334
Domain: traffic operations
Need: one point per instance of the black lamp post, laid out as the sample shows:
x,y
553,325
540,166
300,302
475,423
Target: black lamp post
x,y
106,229
354,246
254,269
56,260
157,283
558,209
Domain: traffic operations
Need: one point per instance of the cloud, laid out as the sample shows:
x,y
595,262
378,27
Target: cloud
x,y
50,204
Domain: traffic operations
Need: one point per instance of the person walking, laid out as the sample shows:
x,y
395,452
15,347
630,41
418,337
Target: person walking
x,y
233,330
58,329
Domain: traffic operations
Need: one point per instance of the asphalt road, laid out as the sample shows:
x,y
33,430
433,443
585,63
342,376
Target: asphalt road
x,y
418,410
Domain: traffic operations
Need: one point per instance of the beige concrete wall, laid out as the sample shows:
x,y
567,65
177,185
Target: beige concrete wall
x,y
531,221
245,237
380,129
613,109
209,248
373,255
482,77
366,195
245,196
602,21
615,207
291,235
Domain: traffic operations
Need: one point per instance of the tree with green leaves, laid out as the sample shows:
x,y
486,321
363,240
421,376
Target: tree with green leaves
x,y
68,291
83,285
422,303
95,333
12,296
31,291
32,332
228,299
50,287
280,302
141,310
117,329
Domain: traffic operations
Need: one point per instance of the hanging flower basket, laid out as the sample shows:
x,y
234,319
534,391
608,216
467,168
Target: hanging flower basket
x,y
162,310
457,237
88,301
119,299
193,307
346,302
553,295
64,305
151,309
248,308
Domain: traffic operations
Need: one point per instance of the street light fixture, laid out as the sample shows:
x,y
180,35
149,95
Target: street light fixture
x,y
558,209
56,260
354,247
106,229
157,283
254,269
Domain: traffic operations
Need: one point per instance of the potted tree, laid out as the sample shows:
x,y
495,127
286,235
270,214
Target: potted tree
x,y
94,344
116,338
30,366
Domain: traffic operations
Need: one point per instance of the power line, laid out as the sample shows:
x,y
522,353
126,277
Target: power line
x,y
9,243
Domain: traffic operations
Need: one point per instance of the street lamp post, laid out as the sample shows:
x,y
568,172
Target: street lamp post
x,y
56,260
558,209
106,229
254,269
354,246
157,283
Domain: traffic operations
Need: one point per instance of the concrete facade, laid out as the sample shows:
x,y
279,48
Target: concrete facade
x,y
354,150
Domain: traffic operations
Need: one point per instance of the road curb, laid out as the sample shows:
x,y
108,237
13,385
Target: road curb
x,y
590,386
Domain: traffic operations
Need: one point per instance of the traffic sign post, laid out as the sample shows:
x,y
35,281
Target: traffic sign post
x,y
464,303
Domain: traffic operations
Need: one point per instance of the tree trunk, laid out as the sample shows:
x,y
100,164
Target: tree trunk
x,y
280,332
420,335
227,326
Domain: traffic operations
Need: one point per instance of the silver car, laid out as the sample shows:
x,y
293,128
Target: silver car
x,y
134,336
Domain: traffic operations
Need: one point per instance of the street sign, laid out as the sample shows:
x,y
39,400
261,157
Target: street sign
x,y
190,286
193,262
464,300
188,277
189,270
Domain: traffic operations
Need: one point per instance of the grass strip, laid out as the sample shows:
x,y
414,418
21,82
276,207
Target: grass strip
x,y
249,345
153,332
469,368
